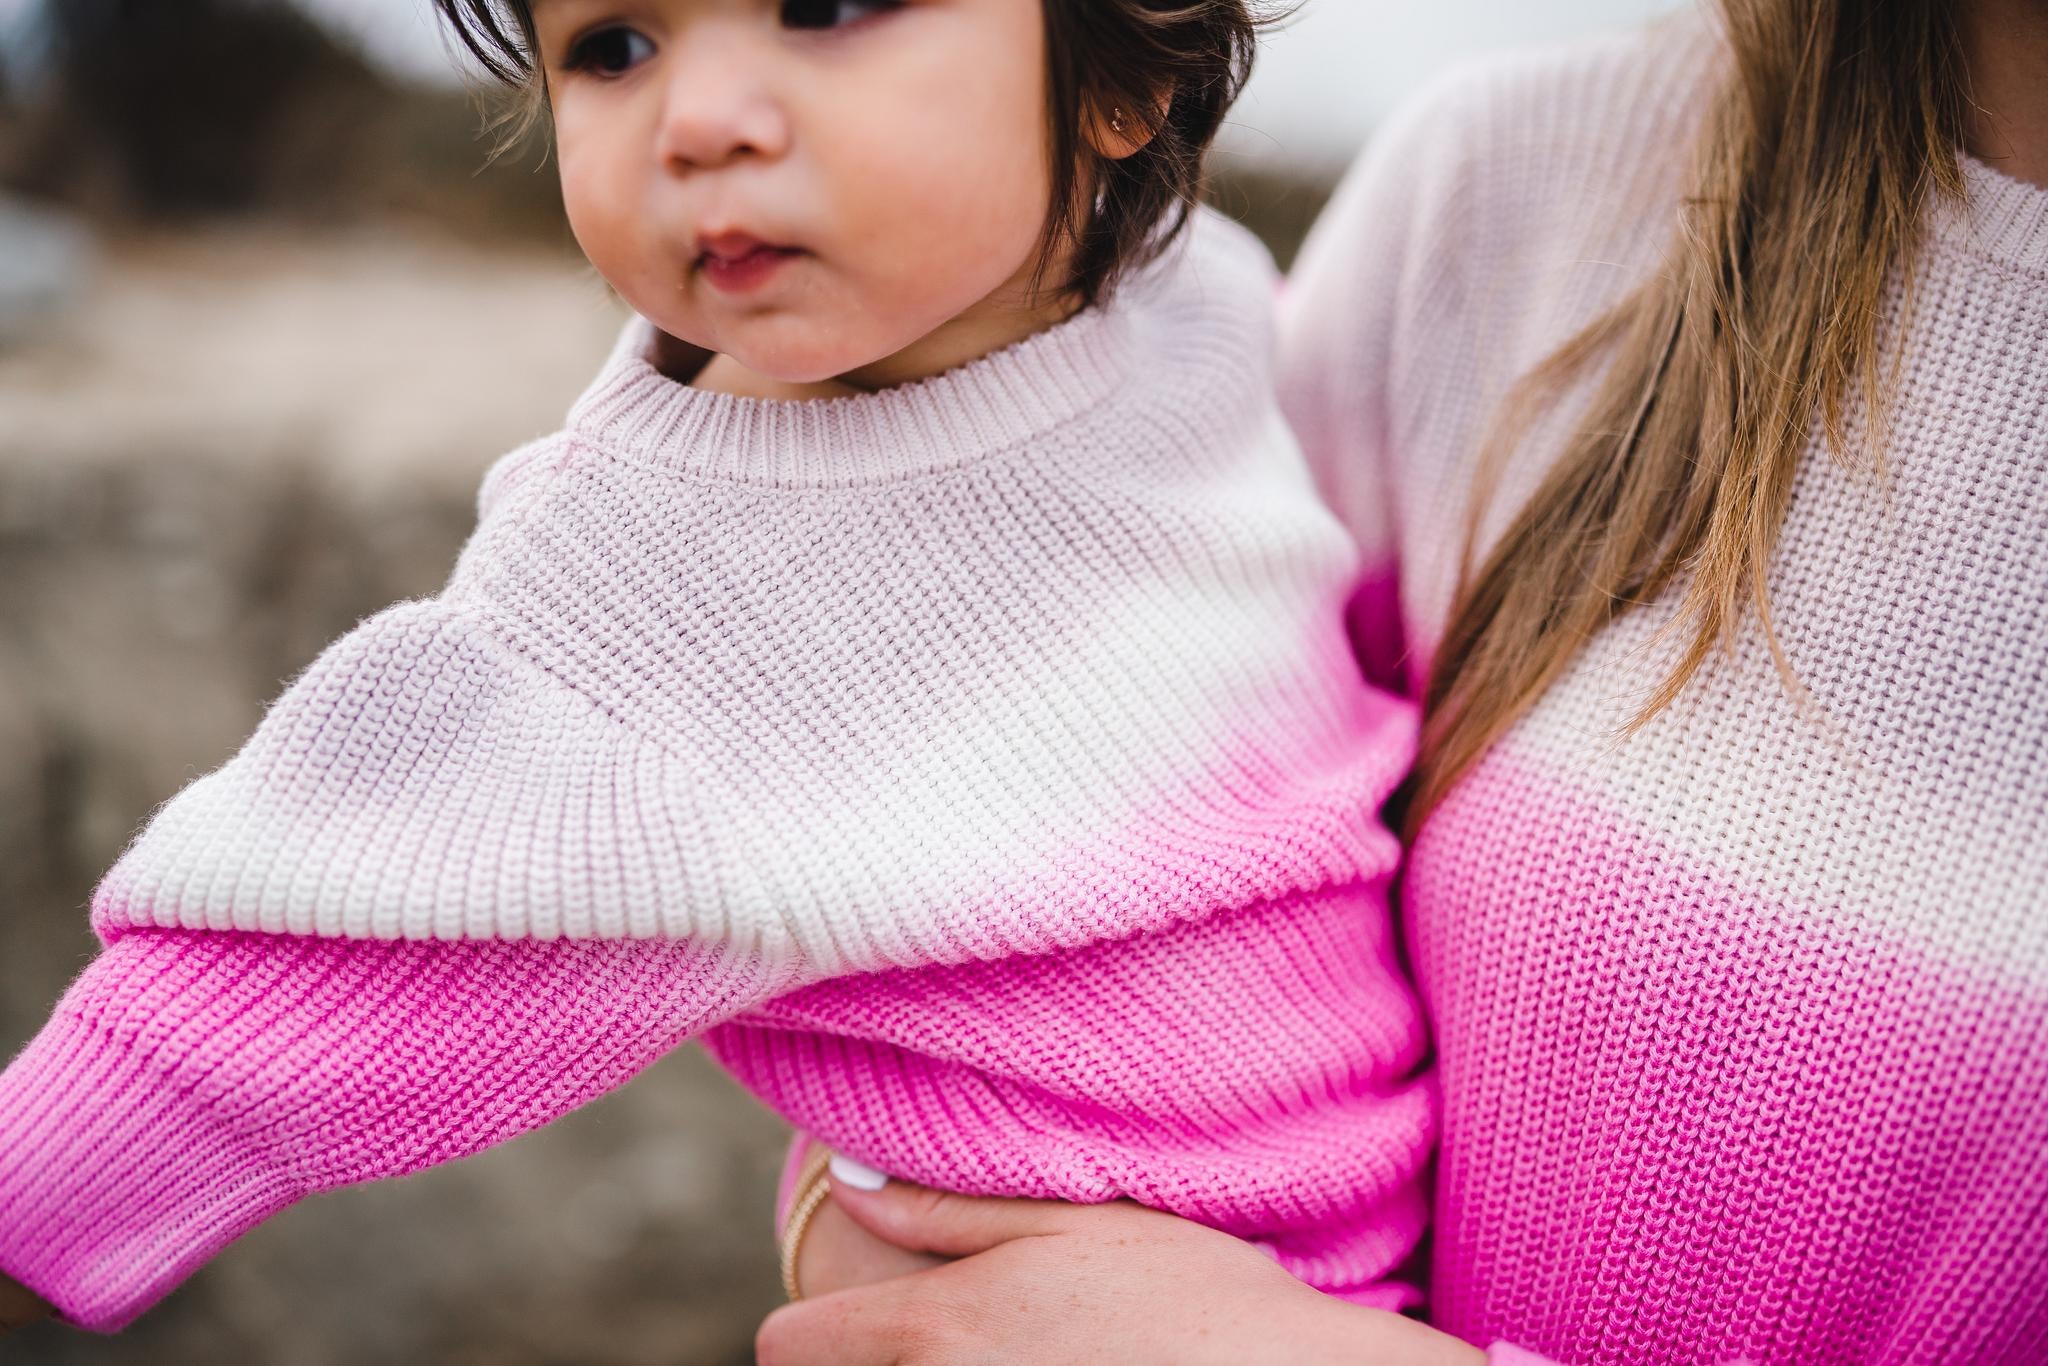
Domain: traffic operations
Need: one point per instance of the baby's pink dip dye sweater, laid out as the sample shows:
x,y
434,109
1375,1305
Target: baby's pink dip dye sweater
x,y
980,767
1743,1024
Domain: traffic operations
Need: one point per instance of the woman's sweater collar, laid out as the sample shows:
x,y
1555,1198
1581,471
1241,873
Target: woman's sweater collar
x,y
2003,219
990,405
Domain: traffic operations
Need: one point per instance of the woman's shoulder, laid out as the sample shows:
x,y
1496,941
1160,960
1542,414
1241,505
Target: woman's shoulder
x,y
1495,212
1511,138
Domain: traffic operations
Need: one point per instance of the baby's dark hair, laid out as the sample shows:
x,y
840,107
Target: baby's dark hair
x,y
1172,68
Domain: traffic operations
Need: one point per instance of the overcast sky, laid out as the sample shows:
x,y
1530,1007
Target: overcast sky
x,y
1321,84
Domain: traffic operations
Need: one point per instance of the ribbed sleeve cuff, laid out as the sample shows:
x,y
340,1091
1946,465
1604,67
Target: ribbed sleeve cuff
x,y
1507,1354
191,1084
115,1184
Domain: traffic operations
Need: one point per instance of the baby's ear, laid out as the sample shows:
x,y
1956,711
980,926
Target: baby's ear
x,y
1118,127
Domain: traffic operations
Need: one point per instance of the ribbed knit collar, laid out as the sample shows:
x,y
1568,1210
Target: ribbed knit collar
x,y
2005,219
990,405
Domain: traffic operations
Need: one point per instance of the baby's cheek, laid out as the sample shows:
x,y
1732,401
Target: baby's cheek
x,y
946,254
602,200
582,171
598,230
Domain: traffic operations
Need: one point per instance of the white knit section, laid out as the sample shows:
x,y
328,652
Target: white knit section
x,y
1042,652
1914,606
1914,795
422,780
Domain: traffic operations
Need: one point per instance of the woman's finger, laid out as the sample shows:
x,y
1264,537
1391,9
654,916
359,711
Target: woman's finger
x,y
890,1323
926,1220
837,1254
1132,1287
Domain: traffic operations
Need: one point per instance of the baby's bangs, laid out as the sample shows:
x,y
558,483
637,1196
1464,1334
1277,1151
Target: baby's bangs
x,y
498,33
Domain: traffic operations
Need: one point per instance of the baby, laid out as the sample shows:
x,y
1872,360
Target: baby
x,y
916,669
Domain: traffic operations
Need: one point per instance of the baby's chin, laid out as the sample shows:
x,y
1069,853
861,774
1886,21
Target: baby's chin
x,y
795,352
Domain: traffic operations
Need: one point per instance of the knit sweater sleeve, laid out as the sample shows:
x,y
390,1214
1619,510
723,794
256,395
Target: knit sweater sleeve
x,y
1383,253
424,779
191,1085
1354,364
1134,1070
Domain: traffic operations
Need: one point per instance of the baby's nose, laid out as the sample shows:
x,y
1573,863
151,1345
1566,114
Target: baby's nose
x,y
717,111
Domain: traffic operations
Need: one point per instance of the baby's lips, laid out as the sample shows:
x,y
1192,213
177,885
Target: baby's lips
x,y
734,246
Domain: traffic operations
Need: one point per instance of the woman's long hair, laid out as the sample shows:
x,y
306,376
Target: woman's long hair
x,y
1838,120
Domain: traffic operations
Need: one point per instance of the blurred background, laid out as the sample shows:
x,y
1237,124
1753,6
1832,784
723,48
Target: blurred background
x,y
265,316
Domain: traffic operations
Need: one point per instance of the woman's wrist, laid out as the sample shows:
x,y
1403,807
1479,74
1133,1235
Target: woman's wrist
x,y
1133,1285
808,1191
1353,1334
1311,1326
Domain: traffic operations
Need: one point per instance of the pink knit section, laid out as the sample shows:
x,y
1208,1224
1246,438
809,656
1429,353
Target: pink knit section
x,y
1012,711
1373,619
191,1085
1507,1354
1132,1070
1739,1013
1793,1092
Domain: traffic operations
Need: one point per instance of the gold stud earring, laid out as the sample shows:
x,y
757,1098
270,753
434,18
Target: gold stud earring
x,y
1116,120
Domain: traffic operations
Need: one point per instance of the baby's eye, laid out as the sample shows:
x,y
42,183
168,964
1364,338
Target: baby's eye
x,y
830,13
609,51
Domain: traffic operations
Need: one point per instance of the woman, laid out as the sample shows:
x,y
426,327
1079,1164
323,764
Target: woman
x,y
1725,897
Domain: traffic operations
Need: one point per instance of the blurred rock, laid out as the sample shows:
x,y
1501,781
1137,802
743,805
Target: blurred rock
x,y
43,260
1274,203
246,441
145,112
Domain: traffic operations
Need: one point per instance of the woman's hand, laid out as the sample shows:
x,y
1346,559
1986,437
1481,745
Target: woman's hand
x,y
838,1254
1050,1283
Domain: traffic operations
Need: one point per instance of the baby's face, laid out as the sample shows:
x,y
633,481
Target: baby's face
x,y
806,186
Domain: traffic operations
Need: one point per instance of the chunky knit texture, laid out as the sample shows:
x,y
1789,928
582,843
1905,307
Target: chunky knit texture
x,y
982,762
1019,659
1743,1022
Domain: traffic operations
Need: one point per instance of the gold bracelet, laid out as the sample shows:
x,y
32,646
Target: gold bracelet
x,y
809,1191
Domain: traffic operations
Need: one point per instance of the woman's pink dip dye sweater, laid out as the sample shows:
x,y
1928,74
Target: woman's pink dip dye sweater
x,y
1742,1023
981,763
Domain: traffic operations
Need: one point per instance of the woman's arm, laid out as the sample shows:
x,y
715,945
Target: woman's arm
x,y
192,1084
1051,1283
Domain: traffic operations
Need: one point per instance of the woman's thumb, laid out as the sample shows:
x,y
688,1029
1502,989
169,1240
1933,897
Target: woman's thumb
x,y
925,1220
